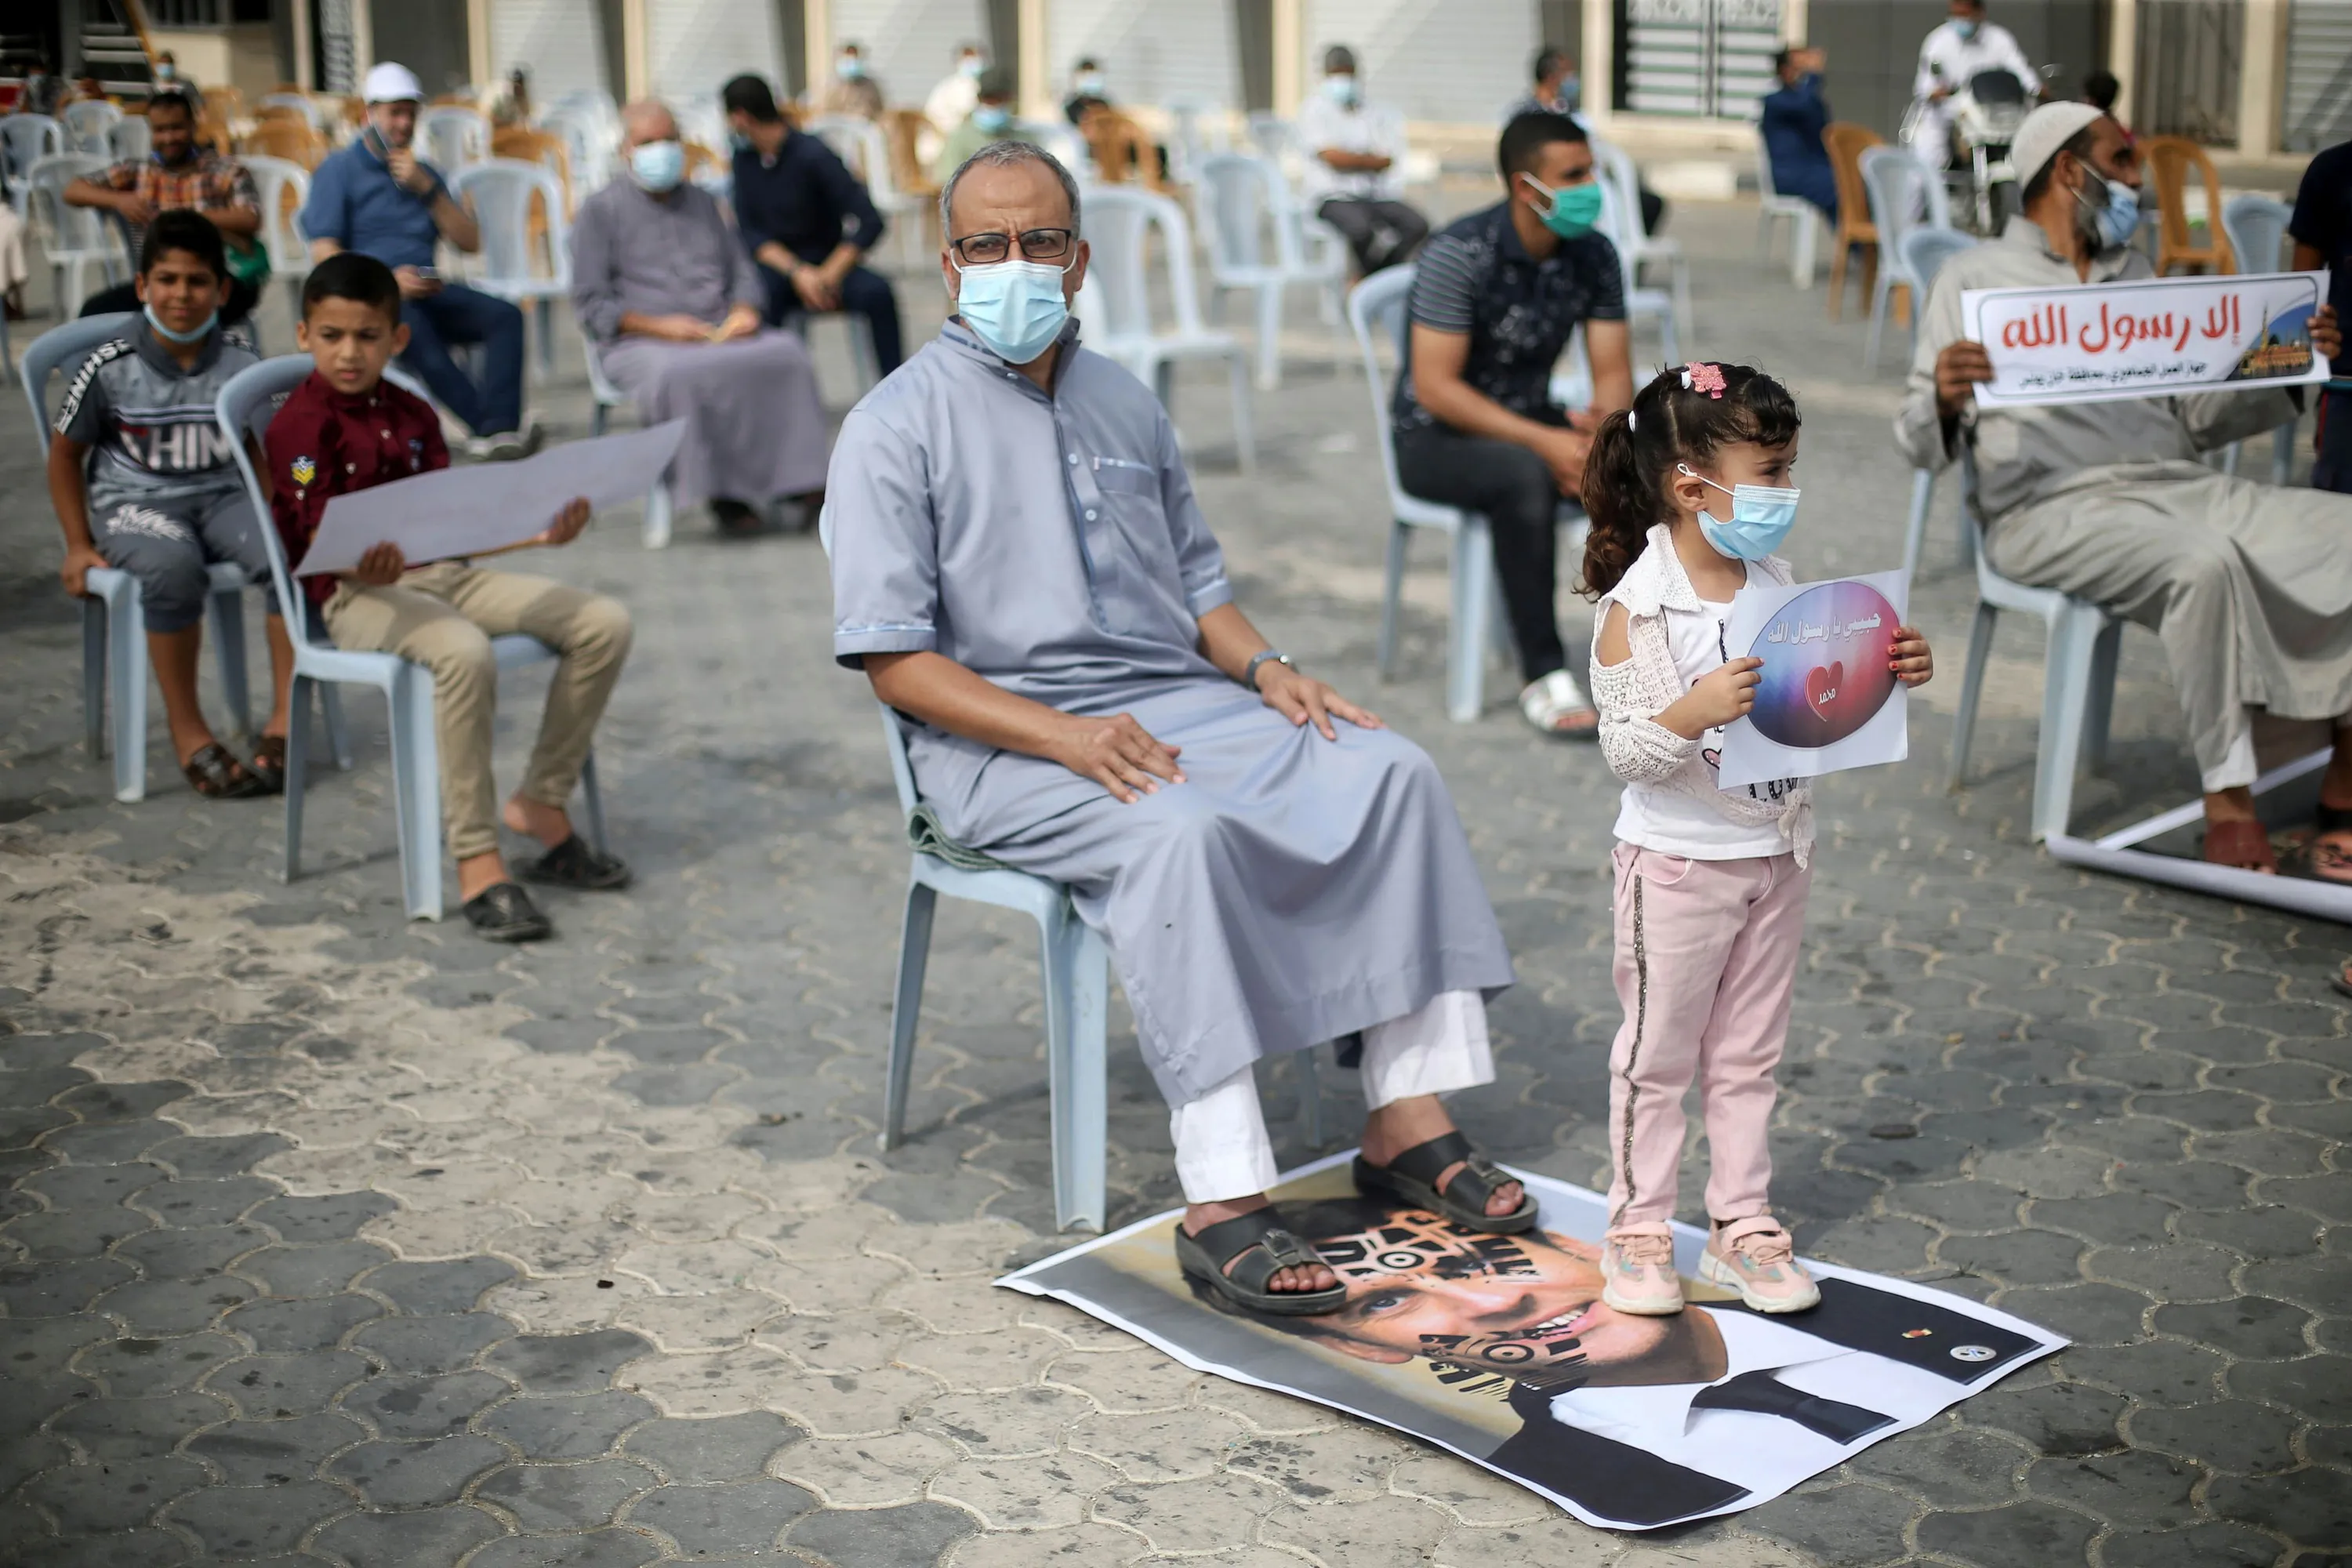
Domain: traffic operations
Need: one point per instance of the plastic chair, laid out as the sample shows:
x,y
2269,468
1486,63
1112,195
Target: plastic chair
x,y
1619,216
283,188
2078,681
1270,133
25,141
1845,143
660,504
287,138
246,404
1804,218
1118,301
113,633
1901,190
1241,199
514,264
1615,166
450,137
2169,160
128,140
86,121
1924,252
864,147
72,237
2256,228
588,144
303,104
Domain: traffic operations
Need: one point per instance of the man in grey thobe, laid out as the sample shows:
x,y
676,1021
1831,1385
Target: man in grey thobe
x,y
662,285
2248,586
1020,566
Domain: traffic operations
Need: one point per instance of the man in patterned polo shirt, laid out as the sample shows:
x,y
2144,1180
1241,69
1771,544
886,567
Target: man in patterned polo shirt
x,y
1496,299
176,173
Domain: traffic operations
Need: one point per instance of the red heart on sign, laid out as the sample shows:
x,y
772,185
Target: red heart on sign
x,y
1822,687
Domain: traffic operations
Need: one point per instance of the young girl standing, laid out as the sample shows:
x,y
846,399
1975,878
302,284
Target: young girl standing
x,y
1689,495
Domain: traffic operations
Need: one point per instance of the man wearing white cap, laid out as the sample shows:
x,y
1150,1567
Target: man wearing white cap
x,y
2248,586
378,198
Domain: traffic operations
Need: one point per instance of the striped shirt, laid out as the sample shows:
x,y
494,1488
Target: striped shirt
x,y
1475,280
149,425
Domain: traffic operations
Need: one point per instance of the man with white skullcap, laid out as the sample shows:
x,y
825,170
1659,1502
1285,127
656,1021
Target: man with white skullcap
x,y
2248,586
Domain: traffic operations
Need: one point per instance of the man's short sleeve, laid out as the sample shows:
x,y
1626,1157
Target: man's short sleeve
x,y
85,412
1445,289
327,214
1604,276
885,543
122,176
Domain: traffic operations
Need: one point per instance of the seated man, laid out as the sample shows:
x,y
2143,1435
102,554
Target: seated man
x,y
143,481
178,174
1496,299
852,91
794,202
1950,58
377,197
1020,567
1791,124
1355,167
990,120
661,283
2322,230
344,430
2250,588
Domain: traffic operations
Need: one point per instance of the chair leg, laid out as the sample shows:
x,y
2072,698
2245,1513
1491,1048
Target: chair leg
x,y
659,509
1801,258
417,790
1881,289
2282,454
1078,984
1474,596
93,676
1269,335
1964,721
1245,429
914,957
543,309
126,680
298,769
1310,1093
1838,251
338,729
2065,702
2099,707
2230,458
229,647
593,797
599,418
1390,597
1915,533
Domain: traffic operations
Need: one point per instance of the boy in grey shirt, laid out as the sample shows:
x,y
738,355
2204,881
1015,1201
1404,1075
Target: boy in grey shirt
x,y
144,480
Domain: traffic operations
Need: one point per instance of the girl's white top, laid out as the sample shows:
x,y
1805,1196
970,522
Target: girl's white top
x,y
1674,803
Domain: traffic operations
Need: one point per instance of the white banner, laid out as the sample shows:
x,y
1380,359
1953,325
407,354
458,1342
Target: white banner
x,y
2148,337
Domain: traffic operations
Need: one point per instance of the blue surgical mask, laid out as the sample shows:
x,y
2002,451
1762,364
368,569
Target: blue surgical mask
x,y
1089,83
1340,89
167,71
970,68
169,336
1014,308
1967,30
658,166
738,143
1761,516
850,67
1571,91
2115,223
991,118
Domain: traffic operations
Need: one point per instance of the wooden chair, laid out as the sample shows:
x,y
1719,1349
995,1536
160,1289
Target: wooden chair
x,y
225,103
700,157
1123,154
2168,160
544,148
902,129
287,136
1845,143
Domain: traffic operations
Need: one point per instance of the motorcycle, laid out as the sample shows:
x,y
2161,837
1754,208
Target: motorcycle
x,y
1982,115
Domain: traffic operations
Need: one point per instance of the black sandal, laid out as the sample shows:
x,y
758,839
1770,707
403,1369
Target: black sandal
x,y
268,763
1412,1177
215,774
504,912
572,864
1263,1247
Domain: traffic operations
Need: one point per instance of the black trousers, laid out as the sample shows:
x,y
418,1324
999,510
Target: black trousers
x,y
1382,234
1514,488
242,296
864,292
2332,469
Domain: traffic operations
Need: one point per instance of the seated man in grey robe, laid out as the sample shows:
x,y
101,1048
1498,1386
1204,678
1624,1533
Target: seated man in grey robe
x,y
1020,567
671,304
2248,586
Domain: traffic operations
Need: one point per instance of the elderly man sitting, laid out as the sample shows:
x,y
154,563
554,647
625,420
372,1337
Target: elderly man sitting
x,y
2250,588
662,284
1019,566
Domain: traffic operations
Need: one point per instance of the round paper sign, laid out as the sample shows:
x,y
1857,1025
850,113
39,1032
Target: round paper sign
x,y
1825,664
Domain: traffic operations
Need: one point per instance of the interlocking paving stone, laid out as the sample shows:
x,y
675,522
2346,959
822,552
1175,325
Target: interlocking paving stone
x,y
566,1496
414,1475
566,1426
880,1538
708,1521
402,1406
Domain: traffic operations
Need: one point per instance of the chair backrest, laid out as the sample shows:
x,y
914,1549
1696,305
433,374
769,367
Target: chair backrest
x,y
2257,230
1765,190
543,148
128,139
1620,221
1845,143
283,187
1375,306
1119,230
26,138
68,230
60,349
243,409
320,116
87,120
287,138
225,103
1242,196
1925,249
1123,154
503,193
1615,168
903,129
2169,160
451,136
1896,185
588,144
1269,133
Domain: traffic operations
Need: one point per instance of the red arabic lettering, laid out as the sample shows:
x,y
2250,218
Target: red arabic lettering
x,y
2046,328
2222,320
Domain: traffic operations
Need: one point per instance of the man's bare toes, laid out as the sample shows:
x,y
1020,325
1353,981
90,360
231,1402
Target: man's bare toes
x,y
1506,1199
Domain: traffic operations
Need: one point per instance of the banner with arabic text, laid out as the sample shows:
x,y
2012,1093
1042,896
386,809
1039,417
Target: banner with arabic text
x,y
2148,337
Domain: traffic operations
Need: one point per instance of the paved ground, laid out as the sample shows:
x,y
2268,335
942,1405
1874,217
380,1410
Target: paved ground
x,y
334,1239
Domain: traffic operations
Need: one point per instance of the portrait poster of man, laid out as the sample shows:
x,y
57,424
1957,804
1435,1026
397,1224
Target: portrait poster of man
x,y
1500,1349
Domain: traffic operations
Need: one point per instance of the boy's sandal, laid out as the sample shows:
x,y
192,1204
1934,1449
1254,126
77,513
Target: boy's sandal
x,y
1257,1247
268,762
1557,706
2241,846
1412,1175
215,774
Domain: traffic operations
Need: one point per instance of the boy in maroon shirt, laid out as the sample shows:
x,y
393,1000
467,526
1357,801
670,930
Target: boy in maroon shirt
x,y
346,429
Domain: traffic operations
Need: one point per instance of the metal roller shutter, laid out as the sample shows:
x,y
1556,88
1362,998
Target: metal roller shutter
x,y
2318,75
908,44
559,42
1430,59
1153,54
1711,58
694,47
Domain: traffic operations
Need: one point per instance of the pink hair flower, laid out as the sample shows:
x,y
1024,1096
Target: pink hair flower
x,y
1699,376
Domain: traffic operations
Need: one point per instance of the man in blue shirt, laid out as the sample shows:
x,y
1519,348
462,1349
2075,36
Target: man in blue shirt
x,y
377,197
1791,128
807,220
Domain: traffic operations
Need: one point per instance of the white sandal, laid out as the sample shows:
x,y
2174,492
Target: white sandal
x,y
1557,697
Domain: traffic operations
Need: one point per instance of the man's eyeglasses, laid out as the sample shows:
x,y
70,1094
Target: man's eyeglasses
x,y
1036,245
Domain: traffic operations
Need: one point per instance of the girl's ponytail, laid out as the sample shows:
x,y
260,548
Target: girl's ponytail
x,y
1619,498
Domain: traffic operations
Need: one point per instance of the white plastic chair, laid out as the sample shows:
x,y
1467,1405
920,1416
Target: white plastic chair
x,y
450,137
322,119
660,503
508,265
1618,215
861,144
589,141
113,632
1900,190
1271,134
1615,166
2078,680
1924,251
25,141
128,139
2256,225
281,222
1117,302
1241,199
86,121
245,404
72,237
1804,219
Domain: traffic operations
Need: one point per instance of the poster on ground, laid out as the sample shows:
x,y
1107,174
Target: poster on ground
x,y
2145,337
1501,1350
1828,699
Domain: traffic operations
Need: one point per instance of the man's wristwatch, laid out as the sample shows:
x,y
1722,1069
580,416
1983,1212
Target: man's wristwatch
x,y
1249,674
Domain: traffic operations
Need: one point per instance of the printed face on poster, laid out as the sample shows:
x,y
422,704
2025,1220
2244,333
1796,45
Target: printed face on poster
x,y
1501,1348
2148,337
1829,700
